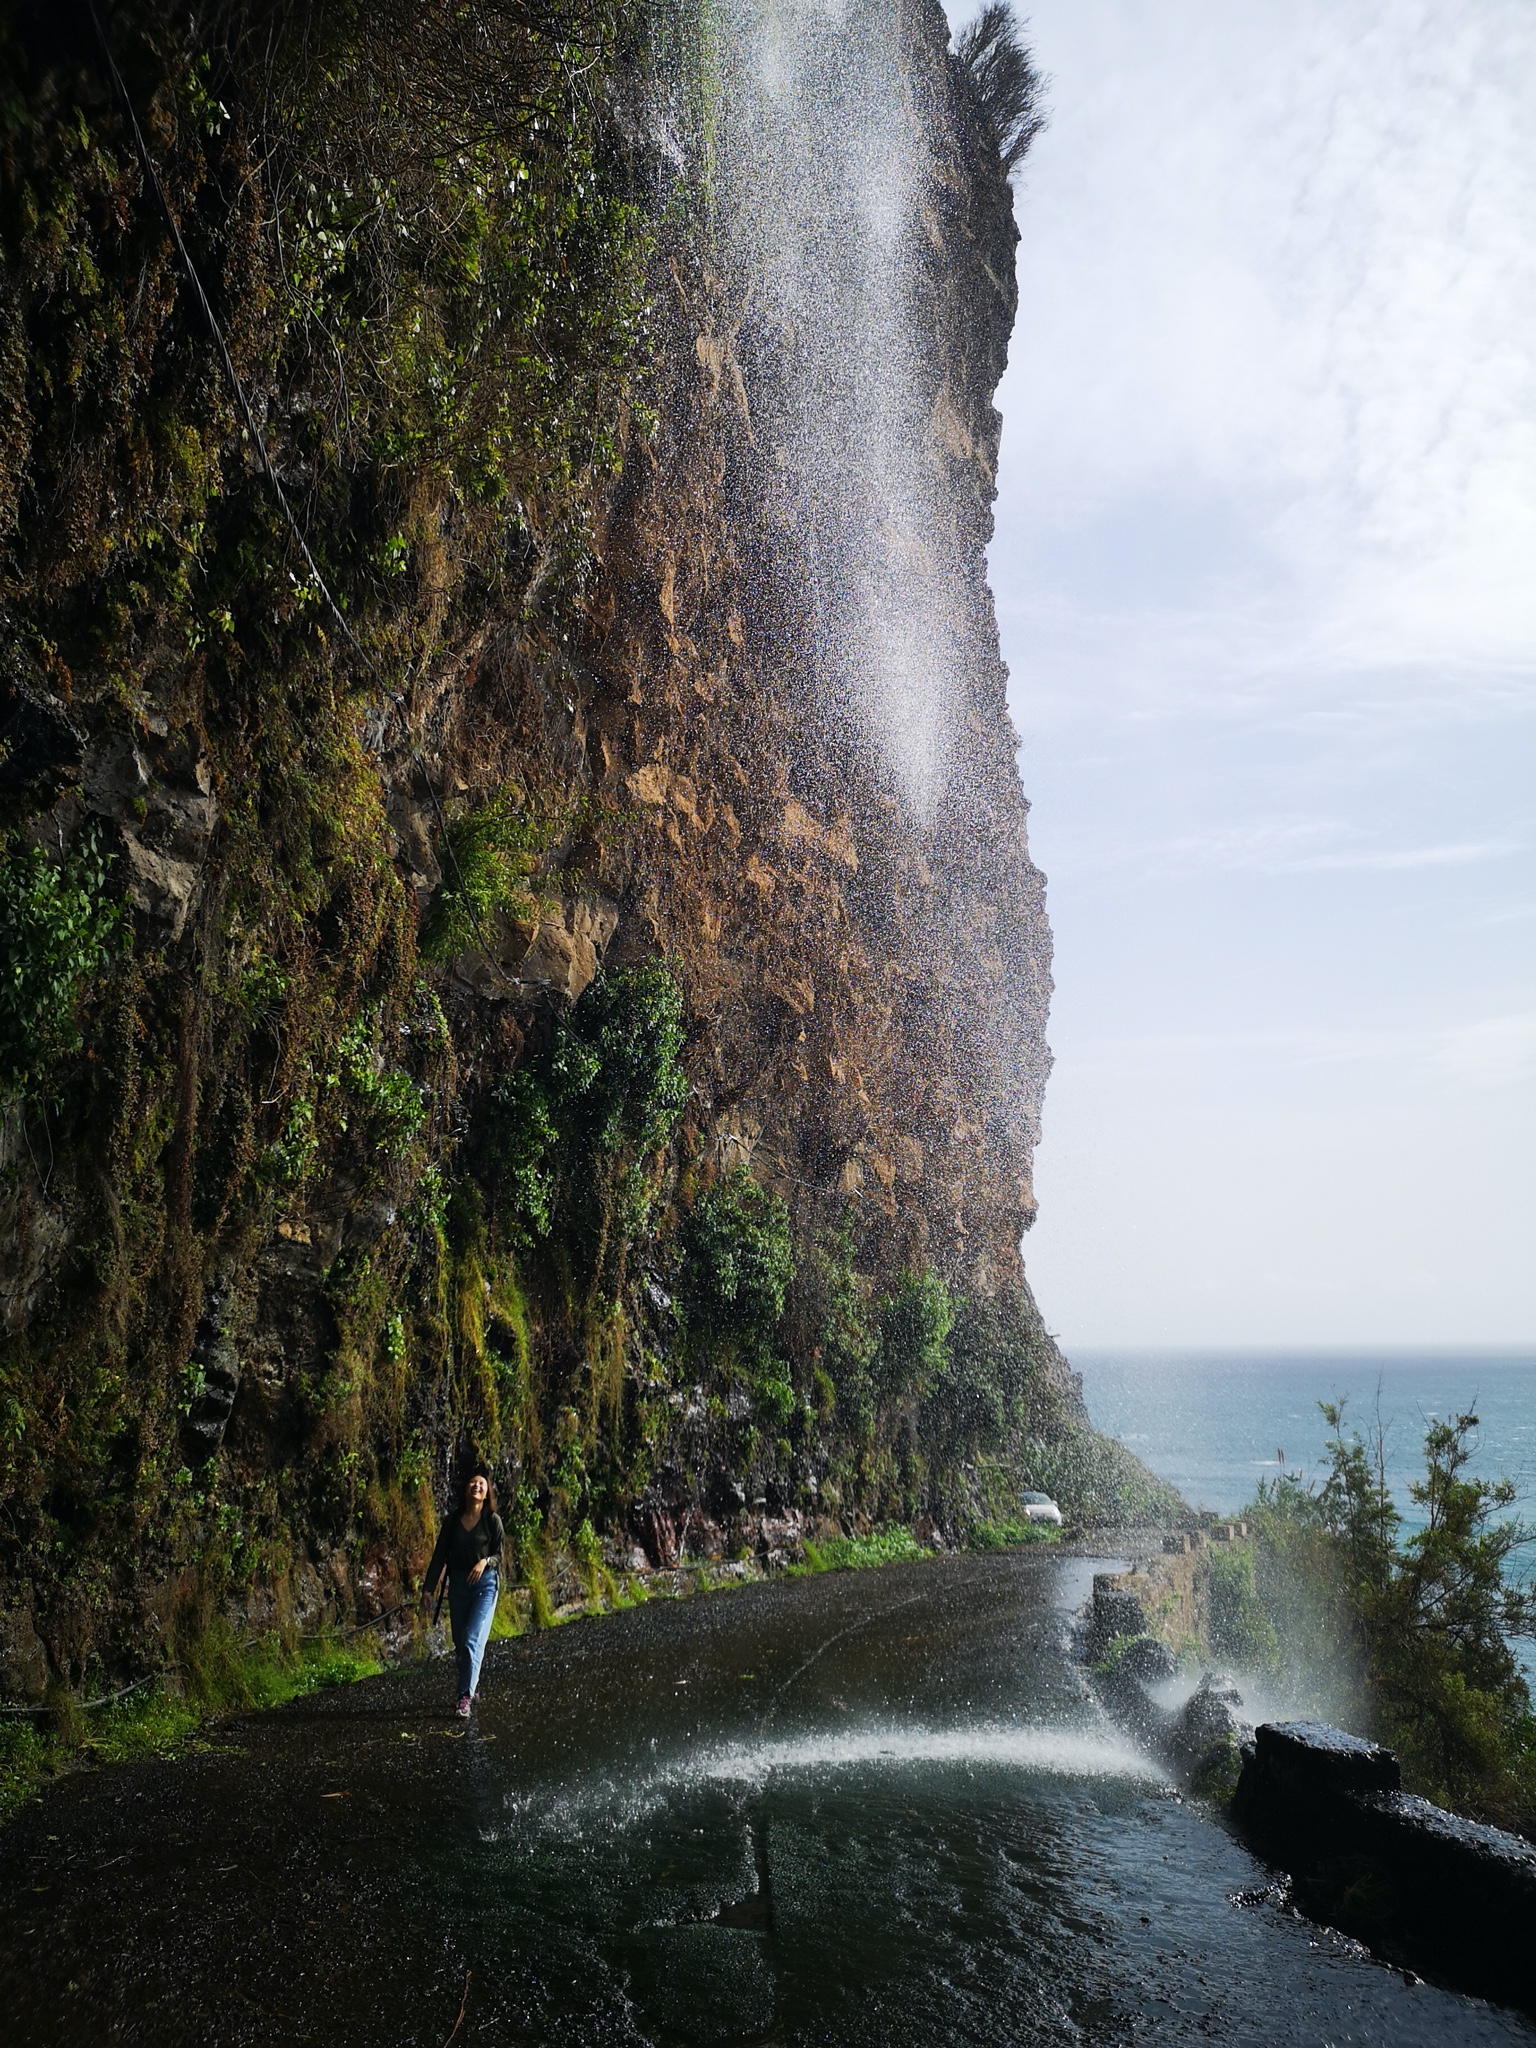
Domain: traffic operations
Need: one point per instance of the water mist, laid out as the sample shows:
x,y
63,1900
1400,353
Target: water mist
x,y
817,170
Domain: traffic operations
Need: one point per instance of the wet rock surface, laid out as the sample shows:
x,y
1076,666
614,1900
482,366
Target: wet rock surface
x,y
866,1808
1212,1713
1132,1671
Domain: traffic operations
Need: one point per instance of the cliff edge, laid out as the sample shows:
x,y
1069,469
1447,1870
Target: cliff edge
x,y
487,968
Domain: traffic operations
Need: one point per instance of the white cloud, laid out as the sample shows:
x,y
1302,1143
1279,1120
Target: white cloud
x,y
1286,254
1265,566
1496,1052
1489,1052
1310,847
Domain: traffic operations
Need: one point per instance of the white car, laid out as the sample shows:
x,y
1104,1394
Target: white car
x,y
1039,1507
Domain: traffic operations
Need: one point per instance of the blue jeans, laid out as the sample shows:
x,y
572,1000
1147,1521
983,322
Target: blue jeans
x,y
471,1609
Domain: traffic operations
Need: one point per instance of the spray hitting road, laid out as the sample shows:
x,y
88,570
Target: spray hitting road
x,y
684,1826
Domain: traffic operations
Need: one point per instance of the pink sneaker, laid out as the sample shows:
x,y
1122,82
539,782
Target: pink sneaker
x,y
464,1705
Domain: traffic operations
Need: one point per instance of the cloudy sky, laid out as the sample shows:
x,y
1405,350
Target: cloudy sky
x,y
1266,571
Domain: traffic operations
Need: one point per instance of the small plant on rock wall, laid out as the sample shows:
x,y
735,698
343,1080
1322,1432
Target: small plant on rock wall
x,y
524,1522
391,1101
915,1321
990,1375
737,1265
522,1144
587,1550
568,1482
488,857
571,1133
56,934
830,1322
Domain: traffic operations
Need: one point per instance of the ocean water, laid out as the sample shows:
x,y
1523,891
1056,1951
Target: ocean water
x,y
1216,1422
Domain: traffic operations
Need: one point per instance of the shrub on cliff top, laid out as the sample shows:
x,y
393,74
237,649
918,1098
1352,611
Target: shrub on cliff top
x,y
1004,79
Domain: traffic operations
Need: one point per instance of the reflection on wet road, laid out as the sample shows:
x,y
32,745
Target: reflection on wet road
x,y
873,1808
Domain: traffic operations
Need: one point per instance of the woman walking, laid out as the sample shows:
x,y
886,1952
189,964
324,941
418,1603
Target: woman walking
x,y
467,1550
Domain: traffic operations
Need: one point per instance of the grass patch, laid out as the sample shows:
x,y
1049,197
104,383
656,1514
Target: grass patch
x,y
896,1545
507,1621
544,1615
219,1677
1113,1652
1010,1535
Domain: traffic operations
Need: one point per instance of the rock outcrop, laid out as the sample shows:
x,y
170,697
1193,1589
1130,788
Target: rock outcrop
x,y
262,1281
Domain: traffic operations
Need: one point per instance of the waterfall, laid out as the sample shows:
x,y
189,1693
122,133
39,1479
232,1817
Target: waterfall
x,y
816,176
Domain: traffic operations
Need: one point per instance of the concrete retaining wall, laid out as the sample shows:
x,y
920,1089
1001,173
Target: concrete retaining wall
x,y
1455,1899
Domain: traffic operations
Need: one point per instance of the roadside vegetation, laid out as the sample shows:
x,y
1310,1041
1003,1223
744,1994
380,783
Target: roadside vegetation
x,y
218,1677
1424,1619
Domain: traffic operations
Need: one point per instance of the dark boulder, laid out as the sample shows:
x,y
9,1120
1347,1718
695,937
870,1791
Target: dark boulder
x,y
1115,1613
1212,1713
1146,1660
217,1365
41,745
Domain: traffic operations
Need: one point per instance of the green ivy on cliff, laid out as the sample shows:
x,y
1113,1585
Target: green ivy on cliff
x,y
57,927
419,239
572,1131
737,1264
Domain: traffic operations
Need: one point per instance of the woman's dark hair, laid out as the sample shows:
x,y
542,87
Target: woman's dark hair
x,y
476,1472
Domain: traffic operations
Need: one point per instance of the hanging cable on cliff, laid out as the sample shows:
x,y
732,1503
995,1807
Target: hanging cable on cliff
x,y
269,470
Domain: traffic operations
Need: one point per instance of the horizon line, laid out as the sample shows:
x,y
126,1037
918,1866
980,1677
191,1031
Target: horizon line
x,y
1361,1347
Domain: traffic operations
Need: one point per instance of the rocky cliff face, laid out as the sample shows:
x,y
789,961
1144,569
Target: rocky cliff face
x,y
536,1017
869,984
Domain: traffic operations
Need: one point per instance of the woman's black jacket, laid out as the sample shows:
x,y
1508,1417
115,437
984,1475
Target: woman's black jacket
x,y
459,1549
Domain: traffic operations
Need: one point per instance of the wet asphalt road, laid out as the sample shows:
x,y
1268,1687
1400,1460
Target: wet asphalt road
x,y
864,1808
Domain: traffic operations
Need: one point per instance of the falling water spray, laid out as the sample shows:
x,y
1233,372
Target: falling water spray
x,y
816,169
